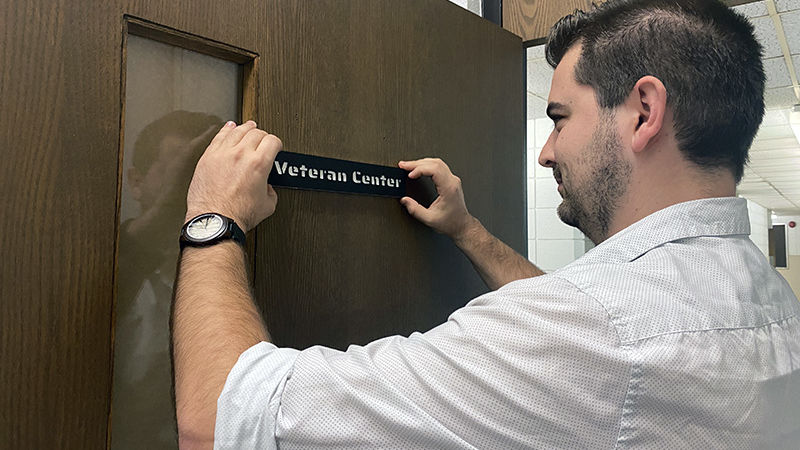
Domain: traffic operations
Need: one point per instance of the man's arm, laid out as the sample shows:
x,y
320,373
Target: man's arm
x,y
495,261
214,316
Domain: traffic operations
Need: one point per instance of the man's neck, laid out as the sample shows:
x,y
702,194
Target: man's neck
x,y
656,190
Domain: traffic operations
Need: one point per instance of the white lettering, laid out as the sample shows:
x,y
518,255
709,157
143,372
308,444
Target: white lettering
x,y
293,171
312,173
280,169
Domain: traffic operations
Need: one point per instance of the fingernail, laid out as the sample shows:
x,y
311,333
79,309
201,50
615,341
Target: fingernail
x,y
253,122
230,124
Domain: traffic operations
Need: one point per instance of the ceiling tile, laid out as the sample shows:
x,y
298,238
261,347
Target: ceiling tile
x,y
786,5
776,132
786,176
750,177
764,168
791,26
776,117
786,184
780,98
761,155
759,160
757,190
774,144
767,36
770,173
754,9
777,73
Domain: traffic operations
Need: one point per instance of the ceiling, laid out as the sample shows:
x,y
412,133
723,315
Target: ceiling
x,y
772,178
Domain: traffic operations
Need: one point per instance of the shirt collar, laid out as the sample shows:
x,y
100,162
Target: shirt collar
x,y
724,216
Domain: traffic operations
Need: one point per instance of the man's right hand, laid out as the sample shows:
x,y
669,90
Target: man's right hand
x,y
448,213
496,262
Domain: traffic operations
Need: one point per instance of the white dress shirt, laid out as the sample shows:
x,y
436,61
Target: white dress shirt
x,y
674,333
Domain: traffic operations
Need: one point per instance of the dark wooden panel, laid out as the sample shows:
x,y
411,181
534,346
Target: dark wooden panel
x,y
379,81
60,68
366,80
58,181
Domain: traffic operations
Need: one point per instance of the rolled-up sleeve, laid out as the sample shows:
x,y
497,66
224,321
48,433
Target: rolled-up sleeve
x,y
249,402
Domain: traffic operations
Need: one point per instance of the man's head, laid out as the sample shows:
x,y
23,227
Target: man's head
x,y
691,68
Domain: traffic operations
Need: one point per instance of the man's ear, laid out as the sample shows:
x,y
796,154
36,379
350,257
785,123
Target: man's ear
x,y
649,100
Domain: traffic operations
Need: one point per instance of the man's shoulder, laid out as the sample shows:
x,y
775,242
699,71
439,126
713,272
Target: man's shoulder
x,y
687,285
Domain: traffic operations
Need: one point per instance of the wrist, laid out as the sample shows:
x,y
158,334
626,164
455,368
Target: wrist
x,y
467,232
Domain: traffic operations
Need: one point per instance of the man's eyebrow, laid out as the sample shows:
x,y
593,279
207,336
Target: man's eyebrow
x,y
553,108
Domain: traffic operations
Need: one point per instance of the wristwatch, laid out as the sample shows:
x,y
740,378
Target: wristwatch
x,y
209,229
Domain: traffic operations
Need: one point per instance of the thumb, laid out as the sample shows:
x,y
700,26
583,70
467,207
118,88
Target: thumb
x,y
416,210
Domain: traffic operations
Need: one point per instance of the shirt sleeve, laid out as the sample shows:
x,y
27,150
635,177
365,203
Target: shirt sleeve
x,y
535,364
249,402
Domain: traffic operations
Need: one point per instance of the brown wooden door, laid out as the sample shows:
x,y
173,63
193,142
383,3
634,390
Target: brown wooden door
x,y
369,80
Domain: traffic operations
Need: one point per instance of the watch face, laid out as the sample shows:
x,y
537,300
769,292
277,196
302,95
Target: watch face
x,y
205,227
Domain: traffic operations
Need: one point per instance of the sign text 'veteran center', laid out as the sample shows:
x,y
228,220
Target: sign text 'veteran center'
x,y
301,171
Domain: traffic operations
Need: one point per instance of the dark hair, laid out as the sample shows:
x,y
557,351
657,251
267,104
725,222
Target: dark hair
x,y
705,54
184,124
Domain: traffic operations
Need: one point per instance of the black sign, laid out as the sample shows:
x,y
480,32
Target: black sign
x,y
299,171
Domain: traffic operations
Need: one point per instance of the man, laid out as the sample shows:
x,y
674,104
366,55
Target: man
x,y
673,332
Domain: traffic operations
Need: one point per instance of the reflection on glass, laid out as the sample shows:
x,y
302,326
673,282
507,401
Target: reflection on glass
x,y
163,141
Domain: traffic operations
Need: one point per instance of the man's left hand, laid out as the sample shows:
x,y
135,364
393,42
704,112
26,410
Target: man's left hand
x,y
231,176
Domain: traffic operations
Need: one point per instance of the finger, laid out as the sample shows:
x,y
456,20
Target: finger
x,y
235,136
268,149
252,139
222,133
411,165
439,172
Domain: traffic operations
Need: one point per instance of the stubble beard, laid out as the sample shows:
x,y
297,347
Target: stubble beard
x,y
589,204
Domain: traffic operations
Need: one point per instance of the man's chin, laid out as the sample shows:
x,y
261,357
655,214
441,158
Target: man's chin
x,y
566,214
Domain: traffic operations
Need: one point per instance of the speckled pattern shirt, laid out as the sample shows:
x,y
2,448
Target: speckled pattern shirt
x,y
674,333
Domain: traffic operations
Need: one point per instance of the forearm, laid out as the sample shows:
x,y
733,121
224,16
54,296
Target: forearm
x,y
214,320
497,263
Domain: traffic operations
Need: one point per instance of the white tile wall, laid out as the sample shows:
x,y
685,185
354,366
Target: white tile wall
x,y
552,254
549,226
759,226
547,195
551,243
471,5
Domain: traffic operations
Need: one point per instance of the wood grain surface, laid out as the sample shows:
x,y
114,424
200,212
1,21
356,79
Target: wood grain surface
x,y
532,19
60,72
369,80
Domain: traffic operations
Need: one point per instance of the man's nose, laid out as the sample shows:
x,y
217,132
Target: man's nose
x,y
547,157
